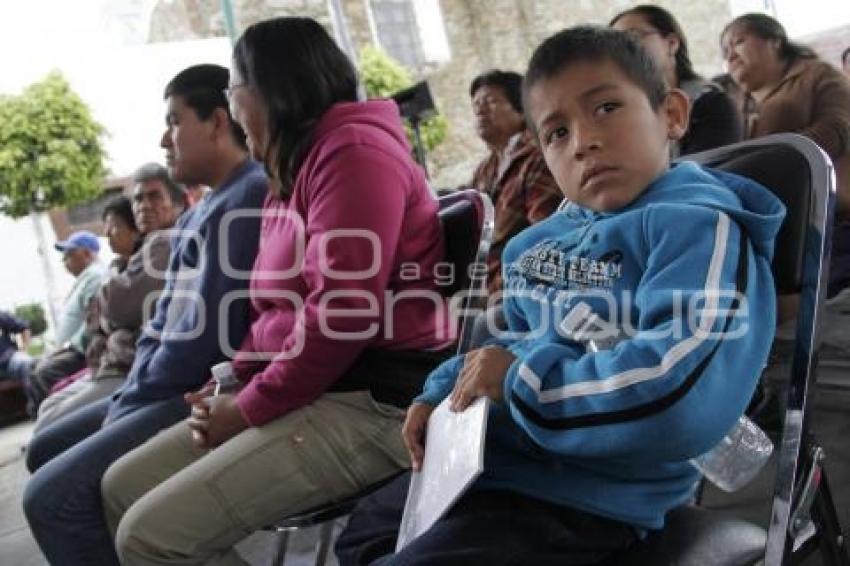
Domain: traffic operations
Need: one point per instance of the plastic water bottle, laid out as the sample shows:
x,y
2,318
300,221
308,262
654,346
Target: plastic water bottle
x,y
225,379
738,458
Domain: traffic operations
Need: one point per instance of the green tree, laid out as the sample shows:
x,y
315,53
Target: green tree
x,y
382,77
50,155
50,149
33,313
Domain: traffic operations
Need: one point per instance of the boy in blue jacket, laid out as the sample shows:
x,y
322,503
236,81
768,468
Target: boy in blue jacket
x,y
639,319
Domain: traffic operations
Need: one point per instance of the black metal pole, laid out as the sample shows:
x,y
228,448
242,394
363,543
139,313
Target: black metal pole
x,y
418,146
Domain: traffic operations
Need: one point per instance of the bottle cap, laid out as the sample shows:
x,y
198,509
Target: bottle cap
x,y
222,372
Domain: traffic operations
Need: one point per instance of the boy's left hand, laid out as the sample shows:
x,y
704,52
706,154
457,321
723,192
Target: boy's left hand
x,y
483,373
217,422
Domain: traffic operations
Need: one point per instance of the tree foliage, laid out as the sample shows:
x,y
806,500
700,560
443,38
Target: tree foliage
x,y
382,77
33,313
50,149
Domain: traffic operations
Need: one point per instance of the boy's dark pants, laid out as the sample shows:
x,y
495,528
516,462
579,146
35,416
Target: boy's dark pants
x,y
486,527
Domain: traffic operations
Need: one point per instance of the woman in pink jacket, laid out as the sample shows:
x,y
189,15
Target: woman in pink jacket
x,y
347,317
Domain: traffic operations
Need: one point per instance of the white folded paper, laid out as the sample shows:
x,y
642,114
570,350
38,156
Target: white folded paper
x,y
454,458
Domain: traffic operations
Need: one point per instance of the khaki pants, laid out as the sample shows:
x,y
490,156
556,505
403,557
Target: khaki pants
x,y
171,503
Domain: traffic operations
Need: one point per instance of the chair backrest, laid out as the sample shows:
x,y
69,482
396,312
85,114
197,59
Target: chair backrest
x,y
780,164
797,171
467,220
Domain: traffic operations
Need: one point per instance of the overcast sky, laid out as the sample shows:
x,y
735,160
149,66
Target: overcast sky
x,y
99,47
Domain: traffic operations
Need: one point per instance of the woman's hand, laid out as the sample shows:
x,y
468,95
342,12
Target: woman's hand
x,y
483,374
215,420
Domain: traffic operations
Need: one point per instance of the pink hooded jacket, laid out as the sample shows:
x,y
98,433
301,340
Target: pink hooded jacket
x,y
347,262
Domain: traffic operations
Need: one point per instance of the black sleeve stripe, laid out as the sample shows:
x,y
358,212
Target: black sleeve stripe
x,y
657,405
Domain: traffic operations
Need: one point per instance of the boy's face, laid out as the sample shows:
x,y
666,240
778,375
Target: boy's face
x,y
600,137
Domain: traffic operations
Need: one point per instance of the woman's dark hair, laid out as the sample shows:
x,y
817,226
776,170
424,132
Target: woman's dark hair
x,y
664,22
202,89
765,27
591,43
508,81
121,207
298,71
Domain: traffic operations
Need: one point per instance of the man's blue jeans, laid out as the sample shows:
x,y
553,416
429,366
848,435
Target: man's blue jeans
x,y
18,367
68,458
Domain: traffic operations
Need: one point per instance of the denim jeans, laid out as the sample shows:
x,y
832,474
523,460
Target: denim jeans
x,y
48,371
18,367
62,500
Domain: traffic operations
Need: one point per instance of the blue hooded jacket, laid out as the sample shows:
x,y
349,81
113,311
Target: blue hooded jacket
x,y
639,337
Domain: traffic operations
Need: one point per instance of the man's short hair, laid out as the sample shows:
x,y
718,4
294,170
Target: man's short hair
x,y
508,81
156,172
202,88
592,43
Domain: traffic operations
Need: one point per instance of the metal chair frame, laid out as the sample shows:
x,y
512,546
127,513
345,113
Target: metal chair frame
x,y
803,516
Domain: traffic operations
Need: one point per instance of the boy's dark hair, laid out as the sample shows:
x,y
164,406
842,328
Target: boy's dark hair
x,y
298,72
508,81
202,89
845,55
122,208
664,22
765,27
156,172
593,43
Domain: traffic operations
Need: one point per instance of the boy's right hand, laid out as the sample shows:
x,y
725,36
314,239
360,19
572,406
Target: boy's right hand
x,y
413,432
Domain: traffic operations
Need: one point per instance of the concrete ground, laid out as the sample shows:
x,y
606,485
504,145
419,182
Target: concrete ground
x,y
831,425
20,549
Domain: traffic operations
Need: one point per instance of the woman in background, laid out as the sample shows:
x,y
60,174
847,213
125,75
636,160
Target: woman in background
x,y
785,87
713,121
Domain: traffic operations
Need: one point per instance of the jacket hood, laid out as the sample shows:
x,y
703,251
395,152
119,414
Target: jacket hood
x,y
750,204
378,113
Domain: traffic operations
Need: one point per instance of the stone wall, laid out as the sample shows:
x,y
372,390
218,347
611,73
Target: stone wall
x,y
179,20
482,34
503,34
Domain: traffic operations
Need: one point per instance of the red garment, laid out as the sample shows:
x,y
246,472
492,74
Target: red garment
x,y
524,194
68,380
357,175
